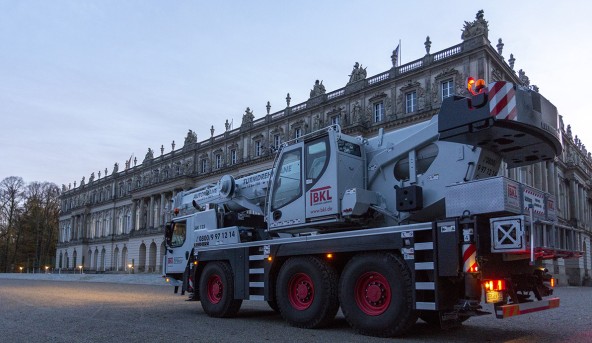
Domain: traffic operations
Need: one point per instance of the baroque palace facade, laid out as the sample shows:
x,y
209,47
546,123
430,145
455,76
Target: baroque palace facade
x,y
116,222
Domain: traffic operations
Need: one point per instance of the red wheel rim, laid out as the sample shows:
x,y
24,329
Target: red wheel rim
x,y
215,289
301,291
372,293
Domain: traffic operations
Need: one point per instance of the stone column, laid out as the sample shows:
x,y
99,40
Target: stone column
x,y
572,199
551,179
75,228
580,204
150,213
161,212
133,216
537,176
545,177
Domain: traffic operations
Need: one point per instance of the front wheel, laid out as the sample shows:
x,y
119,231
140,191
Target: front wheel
x,y
306,292
375,293
216,290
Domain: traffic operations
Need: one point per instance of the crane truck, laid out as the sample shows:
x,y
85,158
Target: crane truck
x,y
414,222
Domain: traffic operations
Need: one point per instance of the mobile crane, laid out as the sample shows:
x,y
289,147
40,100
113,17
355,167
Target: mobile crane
x,y
411,223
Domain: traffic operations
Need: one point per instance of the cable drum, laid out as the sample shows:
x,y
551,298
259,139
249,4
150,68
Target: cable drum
x,y
226,186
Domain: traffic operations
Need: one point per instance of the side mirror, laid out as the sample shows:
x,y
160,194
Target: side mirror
x,y
168,233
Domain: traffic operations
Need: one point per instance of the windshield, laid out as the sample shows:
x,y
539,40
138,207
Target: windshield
x,y
178,235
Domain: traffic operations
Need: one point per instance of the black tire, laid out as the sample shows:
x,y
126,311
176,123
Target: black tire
x,y
375,292
274,306
216,290
306,292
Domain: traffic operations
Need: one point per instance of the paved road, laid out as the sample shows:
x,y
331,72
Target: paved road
x,y
58,311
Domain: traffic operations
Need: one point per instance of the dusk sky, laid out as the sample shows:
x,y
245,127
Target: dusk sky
x,y
85,84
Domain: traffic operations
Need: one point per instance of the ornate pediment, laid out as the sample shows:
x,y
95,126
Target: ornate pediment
x,y
446,73
298,123
410,86
377,96
277,130
334,111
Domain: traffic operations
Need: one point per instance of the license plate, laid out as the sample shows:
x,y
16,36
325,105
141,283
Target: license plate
x,y
493,297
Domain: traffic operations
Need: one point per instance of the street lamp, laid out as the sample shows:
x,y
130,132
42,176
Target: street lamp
x,y
129,268
46,269
80,269
21,268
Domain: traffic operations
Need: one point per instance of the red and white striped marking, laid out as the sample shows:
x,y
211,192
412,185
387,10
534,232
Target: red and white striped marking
x,y
536,199
502,100
469,258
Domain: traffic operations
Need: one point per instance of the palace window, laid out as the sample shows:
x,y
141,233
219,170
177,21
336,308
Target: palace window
x,y
297,132
447,89
277,141
411,102
218,161
233,156
335,120
258,149
378,111
204,165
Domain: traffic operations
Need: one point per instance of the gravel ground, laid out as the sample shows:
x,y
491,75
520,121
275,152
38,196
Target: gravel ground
x,y
137,308
139,279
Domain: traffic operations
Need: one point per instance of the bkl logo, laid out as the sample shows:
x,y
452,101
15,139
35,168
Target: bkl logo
x,y
512,191
551,205
320,195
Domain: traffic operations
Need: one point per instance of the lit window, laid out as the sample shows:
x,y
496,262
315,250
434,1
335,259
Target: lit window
x,y
378,111
411,102
447,89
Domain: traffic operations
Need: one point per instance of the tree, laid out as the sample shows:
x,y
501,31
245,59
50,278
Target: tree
x,y
29,221
11,198
40,219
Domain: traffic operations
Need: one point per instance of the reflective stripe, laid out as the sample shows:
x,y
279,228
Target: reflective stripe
x,y
502,100
469,257
506,311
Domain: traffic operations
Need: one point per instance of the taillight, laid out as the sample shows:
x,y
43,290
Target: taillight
x,y
494,285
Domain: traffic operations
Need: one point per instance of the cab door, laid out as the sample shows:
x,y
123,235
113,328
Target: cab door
x,y
287,196
322,198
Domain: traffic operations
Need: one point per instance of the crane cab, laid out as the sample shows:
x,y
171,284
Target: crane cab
x,y
310,178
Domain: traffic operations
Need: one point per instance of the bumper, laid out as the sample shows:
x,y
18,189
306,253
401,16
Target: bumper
x,y
505,311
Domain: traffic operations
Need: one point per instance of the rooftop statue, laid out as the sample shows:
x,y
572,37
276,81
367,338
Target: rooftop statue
x,y
317,89
478,27
149,155
191,138
358,73
248,116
